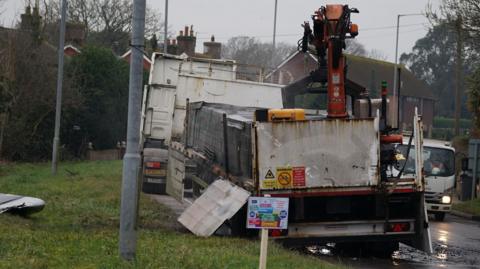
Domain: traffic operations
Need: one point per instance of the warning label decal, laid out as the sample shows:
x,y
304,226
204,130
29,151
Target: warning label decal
x,y
298,176
269,174
284,177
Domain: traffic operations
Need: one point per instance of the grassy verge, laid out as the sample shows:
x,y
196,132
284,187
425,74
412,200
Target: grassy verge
x,y
79,227
470,207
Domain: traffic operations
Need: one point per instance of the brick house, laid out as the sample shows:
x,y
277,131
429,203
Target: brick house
x,y
368,73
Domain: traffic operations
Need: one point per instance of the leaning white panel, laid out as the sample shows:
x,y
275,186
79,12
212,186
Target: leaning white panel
x,y
220,201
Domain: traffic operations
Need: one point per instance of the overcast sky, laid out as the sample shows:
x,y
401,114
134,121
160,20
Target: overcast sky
x,y
228,18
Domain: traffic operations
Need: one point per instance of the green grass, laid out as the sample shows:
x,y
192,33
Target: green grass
x,y
78,228
470,207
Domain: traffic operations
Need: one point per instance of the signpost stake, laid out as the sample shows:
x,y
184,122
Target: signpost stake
x,y
262,264
266,213
475,169
263,249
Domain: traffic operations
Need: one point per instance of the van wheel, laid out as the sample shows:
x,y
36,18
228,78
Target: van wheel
x,y
439,216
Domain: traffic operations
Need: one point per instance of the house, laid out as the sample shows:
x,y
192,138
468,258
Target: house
x,y
146,62
71,51
368,73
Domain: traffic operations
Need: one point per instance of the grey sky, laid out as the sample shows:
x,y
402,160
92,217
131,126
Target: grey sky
x,y
228,18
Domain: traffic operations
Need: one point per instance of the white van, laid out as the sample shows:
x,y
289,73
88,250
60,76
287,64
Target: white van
x,y
439,169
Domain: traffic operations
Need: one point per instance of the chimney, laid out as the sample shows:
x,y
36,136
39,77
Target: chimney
x,y
172,47
186,42
75,34
26,19
212,49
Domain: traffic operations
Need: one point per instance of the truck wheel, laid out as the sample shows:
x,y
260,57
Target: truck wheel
x,y
382,249
439,216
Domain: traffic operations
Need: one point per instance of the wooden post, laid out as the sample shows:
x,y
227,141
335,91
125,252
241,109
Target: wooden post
x,y
262,264
263,249
458,75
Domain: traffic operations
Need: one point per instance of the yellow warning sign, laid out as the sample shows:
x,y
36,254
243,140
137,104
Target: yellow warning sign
x,y
284,177
269,174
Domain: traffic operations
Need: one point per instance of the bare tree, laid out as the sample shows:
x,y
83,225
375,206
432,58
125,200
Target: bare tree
x,y
27,77
1,4
356,48
377,54
253,55
106,22
450,11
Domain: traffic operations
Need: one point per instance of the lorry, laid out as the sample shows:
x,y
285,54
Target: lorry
x,y
337,167
173,82
439,170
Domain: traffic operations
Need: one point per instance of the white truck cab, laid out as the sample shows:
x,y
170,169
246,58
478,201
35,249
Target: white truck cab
x,y
439,169
174,82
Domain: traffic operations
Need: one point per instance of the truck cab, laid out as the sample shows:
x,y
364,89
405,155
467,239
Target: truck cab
x,y
439,170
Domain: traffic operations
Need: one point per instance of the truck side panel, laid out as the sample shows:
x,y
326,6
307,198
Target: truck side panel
x,y
316,154
232,92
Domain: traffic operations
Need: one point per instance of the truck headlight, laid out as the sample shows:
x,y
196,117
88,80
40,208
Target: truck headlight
x,y
446,199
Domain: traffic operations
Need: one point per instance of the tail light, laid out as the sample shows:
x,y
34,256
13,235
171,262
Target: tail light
x,y
277,232
155,165
398,227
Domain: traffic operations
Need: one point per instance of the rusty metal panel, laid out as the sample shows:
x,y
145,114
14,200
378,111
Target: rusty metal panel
x,y
220,201
317,153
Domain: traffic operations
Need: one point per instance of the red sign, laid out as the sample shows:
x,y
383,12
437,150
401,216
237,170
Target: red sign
x,y
298,176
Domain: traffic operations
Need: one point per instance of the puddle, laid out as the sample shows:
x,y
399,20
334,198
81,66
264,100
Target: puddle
x,y
444,256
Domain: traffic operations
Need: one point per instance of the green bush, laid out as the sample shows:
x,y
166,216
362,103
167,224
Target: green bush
x,y
442,122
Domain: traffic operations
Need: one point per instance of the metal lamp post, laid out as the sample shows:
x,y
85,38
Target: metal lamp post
x,y
58,109
395,73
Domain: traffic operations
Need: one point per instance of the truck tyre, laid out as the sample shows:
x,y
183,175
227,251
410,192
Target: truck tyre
x,y
439,216
382,250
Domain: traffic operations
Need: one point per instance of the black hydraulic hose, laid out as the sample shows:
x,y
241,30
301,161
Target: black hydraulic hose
x,y
406,158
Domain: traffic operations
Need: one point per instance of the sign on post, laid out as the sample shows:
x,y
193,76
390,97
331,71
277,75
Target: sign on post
x,y
267,213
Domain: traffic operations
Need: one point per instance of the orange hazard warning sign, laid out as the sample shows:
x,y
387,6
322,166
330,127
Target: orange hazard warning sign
x,y
284,177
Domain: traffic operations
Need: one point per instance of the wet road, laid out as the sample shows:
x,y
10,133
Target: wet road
x,y
456,244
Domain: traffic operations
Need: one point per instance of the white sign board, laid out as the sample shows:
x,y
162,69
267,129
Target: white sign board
x,y
267,213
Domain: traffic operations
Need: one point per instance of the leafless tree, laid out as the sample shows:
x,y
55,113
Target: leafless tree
x,y
107,22
468,11
377,54
27,77
254,55
356,48
1,4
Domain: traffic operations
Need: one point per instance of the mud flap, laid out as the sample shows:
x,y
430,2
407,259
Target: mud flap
x,y
220,201
423,239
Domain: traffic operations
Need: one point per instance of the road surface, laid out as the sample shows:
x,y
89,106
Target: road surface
x,y
456,243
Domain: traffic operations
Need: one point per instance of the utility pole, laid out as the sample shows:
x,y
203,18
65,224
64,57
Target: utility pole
x,y
274,31
131,160
58,109
395,71
458,75
165,39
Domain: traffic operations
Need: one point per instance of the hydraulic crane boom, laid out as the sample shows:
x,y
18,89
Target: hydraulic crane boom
x,y
331,26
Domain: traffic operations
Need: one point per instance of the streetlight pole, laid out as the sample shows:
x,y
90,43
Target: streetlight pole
x,y
58,108
165,39
395,70
274,31
131,160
